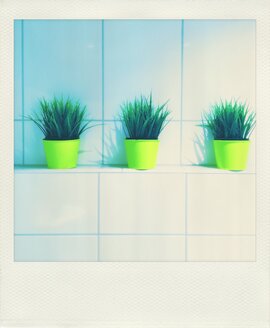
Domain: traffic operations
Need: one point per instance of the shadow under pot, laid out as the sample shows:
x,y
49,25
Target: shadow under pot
x,y
231,154
61,154
141,153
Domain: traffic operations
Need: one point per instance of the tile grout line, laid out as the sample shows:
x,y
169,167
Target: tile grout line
x,y
109,120
22,87
130,234
186,217
46,171
102,91
14,145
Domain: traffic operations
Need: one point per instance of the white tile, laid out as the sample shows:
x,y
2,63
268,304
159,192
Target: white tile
x,y
221,204
33,146
141,56
142,203
211,70
91,145
169,147
55,248
142,248
197,145
18,143
56,203
236,248
251,164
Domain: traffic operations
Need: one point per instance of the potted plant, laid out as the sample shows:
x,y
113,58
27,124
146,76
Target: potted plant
x,y
62,123
143,123
231,124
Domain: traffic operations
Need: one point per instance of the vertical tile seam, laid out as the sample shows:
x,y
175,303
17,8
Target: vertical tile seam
x,y
15,140
181,91
98,220
186,217
102,90
22,89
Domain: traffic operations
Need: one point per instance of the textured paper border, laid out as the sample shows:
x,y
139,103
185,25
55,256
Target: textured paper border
x,y
134,294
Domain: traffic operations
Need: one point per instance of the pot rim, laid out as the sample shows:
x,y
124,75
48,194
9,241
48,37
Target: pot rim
x,y
232,140
142,140
61,141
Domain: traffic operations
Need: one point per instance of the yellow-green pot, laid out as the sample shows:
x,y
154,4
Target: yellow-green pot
x,y
61,154
141,154
231,154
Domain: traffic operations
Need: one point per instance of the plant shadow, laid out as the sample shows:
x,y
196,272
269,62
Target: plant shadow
x,y
114,153
203,148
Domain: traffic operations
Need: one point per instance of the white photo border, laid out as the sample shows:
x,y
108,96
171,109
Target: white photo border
x,y
176,294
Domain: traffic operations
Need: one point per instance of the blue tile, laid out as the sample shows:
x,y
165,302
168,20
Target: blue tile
x,y
90,152
18,69
18,143
63,57
55,248
33,147
141,56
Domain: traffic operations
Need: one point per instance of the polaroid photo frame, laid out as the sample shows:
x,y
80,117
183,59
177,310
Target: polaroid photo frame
x,y
114,288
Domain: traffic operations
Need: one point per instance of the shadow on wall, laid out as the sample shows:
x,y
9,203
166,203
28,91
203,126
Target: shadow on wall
x,y
90,147
114,153
203,148
114,148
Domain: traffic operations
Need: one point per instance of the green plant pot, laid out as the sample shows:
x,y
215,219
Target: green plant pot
x,y
61,154
141,154
231,154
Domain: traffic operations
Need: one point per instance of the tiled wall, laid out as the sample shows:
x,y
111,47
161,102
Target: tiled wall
x,y
193,63
137,216
174,213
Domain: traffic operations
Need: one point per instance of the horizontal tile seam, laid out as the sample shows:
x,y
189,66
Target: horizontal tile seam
x,y
131,234
96,120
35,171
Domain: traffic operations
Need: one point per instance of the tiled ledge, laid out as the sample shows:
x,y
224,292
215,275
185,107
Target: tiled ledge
x,y
191,169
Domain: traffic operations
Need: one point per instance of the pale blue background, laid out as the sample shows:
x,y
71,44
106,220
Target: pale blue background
x,y
140,57
191,63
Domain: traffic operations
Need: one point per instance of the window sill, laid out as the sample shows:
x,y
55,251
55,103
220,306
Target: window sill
x,y
190,169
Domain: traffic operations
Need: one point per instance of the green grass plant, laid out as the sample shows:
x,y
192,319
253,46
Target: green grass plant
x,y
143,120
229,120
61,119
